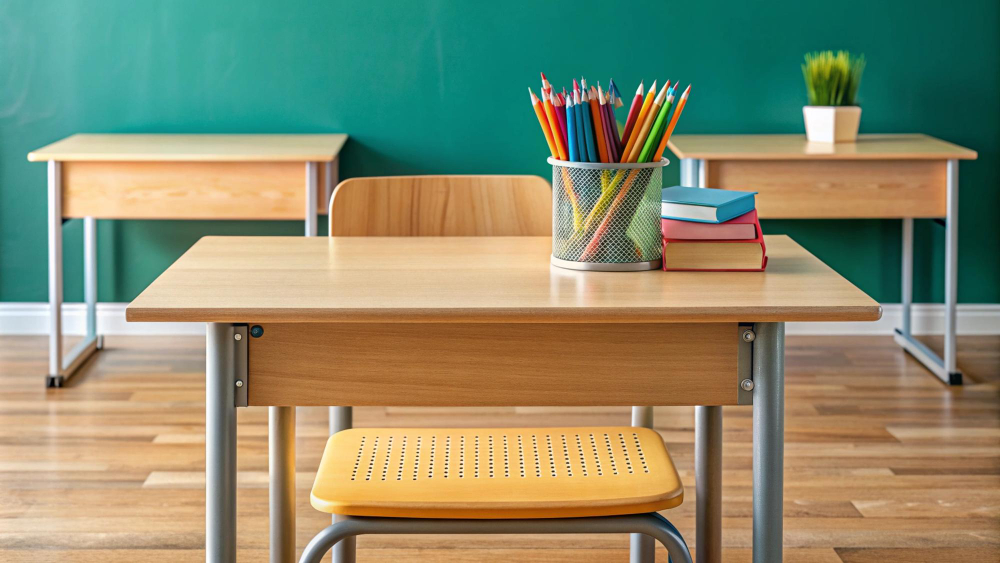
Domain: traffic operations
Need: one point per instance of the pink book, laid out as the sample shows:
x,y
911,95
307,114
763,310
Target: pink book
x,y
744,227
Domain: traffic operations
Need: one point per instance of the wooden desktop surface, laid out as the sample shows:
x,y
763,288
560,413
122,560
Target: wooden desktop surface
x,y
476,279
203,148
796,147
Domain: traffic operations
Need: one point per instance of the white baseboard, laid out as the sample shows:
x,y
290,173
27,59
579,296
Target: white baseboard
x,y
33,318
928,318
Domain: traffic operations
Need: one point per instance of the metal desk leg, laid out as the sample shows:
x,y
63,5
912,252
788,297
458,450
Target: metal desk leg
x,y
281,494
220,444
62,368
708,483
342,418
642,548
312,186
55,378
951,275
768,440
945,369
331,177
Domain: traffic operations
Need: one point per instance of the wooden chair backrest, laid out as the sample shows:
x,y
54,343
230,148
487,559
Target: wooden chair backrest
x,y
442,206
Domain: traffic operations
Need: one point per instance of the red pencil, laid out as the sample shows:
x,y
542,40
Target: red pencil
x,y
633,112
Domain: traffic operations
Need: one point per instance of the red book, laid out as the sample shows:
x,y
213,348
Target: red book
x,y
709,255
744,227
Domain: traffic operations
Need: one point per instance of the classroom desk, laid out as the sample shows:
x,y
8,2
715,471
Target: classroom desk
x,y
904,177
172,177
486,321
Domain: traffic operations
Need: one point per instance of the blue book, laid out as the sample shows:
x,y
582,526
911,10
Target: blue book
x,y
704,205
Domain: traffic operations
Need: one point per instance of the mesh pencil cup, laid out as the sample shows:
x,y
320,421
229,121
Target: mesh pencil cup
x,y
606,216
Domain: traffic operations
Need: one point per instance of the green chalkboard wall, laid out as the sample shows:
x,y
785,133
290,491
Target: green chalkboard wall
x,y
439,87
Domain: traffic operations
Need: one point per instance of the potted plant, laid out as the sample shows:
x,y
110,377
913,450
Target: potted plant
x,y
832,115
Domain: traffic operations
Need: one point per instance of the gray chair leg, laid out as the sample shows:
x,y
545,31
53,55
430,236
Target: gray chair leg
x,y
652,525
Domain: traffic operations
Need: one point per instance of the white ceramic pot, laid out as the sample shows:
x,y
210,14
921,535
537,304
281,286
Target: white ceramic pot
x,y
832,124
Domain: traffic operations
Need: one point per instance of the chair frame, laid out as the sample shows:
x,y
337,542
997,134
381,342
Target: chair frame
x,y
641,542
651,524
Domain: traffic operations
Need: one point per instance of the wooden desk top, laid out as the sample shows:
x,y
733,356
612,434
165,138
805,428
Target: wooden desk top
x,y
204,148
795,147
476,279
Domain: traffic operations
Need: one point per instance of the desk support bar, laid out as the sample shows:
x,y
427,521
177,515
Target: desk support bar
x,y
220,443
768,440
642,548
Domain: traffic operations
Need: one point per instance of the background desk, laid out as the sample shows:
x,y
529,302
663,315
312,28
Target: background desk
x,y
486,321
173,177
881,176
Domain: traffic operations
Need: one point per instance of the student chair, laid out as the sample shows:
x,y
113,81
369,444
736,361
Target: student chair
x,y
480,481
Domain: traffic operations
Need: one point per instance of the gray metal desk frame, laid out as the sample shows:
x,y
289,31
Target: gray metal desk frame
x,y
225,364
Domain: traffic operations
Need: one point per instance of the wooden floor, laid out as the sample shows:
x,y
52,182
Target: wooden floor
x,y
882,462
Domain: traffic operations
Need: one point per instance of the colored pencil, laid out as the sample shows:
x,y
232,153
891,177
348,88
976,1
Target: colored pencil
x,y
656,132
609,137
616,141
560,108
639,120
550,115
581,141
599,131
543,121
633,113
647,124
673,122
588,129
571,134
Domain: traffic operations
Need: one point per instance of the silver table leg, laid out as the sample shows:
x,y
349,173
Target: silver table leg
x,y
55,377
951,275
946,369
312,186
642,548
281,494
62,367
220,444
342,418
768,440
708,483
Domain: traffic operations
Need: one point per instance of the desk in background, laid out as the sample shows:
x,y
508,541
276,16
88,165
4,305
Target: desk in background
x,y
486,321
880,177
172,177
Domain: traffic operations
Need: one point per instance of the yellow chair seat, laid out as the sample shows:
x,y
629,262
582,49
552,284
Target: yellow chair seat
x,y
496,473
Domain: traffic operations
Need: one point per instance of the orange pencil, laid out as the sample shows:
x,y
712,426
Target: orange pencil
x,y
640,119
673,123
543,121
595,114
550,114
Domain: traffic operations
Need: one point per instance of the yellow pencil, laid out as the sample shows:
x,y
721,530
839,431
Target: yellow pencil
x,y
639,121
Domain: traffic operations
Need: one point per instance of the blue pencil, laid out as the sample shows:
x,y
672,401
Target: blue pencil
x,y
571,130
588,130
581,143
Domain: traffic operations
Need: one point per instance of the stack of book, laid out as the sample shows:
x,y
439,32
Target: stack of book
x,y
711,230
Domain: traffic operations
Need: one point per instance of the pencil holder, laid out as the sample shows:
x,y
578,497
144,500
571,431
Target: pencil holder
x,y
606,216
